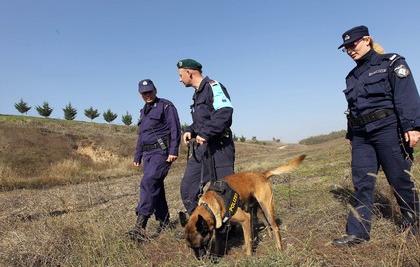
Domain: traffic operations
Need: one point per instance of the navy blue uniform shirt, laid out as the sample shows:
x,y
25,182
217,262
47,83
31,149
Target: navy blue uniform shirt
x,y
382,81
160,121
211,110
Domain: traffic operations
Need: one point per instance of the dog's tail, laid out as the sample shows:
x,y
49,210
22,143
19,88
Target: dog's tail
x,y
289,166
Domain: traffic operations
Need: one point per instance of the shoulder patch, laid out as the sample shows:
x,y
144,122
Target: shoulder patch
x,y
219,98
393,57
402,71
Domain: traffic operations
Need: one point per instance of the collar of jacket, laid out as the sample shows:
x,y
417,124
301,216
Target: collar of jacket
x,y
375,59
202,84
147,107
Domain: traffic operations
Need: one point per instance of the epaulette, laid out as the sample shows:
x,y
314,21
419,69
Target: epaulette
x,y
212,82
392,57
166,103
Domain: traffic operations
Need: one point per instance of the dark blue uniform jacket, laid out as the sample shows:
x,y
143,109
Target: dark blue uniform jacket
x,y
374,84
160,122
211,111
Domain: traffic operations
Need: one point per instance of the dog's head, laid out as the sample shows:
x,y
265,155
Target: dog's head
x,y
199,231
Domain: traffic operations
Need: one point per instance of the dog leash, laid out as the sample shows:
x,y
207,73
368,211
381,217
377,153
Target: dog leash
x,y
207,159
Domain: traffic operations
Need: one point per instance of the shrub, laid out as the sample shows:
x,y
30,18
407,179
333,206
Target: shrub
x,y
127,119
91,113
69,112
44,110
109,116
22,107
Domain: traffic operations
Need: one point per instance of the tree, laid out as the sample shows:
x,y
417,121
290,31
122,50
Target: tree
x,y
254,139
91,113
242,139
69,112
235,138
109,116
22,107
44,110
127,119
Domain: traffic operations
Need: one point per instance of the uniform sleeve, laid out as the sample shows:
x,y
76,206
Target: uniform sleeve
x,y
349,134
406,96
221,117
172,119
139,149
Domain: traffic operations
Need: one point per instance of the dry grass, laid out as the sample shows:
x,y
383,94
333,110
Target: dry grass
x,y
83,221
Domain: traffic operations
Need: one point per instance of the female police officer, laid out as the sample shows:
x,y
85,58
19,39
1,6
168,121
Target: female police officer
x,y
157,144
383,127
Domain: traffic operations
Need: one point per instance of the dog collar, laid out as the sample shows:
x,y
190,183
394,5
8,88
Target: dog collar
x,y
206,206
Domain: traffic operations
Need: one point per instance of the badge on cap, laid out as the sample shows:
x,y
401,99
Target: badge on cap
x,y
347,37
180,64
144,82
402,71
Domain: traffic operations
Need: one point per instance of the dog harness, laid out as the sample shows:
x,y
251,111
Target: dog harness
x,y
229,196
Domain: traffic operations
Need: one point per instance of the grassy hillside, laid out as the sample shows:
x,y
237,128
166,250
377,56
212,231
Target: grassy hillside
x,y
38,152
83,221
323,138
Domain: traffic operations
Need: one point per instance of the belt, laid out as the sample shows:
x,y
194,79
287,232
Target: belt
x,y
148,147
371,117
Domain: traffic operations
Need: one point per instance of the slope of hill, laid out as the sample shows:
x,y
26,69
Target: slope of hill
x,y
84,223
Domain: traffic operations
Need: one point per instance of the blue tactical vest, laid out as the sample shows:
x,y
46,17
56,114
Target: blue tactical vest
x,y
371,89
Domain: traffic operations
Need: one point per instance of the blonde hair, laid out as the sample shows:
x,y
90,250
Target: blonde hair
x,y
376,46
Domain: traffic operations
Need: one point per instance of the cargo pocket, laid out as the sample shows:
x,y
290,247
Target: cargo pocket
x,y
377,86
350,95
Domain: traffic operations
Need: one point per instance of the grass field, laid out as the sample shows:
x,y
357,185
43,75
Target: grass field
x,y
69,193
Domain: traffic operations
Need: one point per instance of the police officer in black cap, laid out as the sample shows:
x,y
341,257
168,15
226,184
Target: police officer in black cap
x,y
211,111
383,127
157,146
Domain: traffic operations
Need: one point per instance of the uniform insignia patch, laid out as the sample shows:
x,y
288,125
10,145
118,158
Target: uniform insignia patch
x,y
144,83
402,71
377,71
347,37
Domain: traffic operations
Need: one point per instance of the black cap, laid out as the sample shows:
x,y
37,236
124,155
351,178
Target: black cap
x,y
146,85
353,35
189,63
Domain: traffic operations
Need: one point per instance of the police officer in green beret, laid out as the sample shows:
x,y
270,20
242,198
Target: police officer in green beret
x,y
214,154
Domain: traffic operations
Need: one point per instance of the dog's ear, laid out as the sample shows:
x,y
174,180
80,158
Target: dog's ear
x,y
216,209
183,218
202,226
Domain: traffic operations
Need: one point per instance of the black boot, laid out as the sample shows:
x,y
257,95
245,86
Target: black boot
x,y
163,225
138,232
348,240
410,221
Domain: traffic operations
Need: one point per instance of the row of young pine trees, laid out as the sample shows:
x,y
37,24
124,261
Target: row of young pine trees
x,y
70,112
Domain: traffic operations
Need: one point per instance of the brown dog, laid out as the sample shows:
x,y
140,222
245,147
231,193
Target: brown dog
x,y
251,186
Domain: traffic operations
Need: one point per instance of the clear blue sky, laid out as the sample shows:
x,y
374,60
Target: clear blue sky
x,y
278,59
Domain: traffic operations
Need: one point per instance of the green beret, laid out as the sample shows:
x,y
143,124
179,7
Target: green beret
x,y
189,63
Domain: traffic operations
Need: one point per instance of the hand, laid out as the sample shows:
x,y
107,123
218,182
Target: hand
x,y
412,137
171,158
186,137
136,164
200,140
